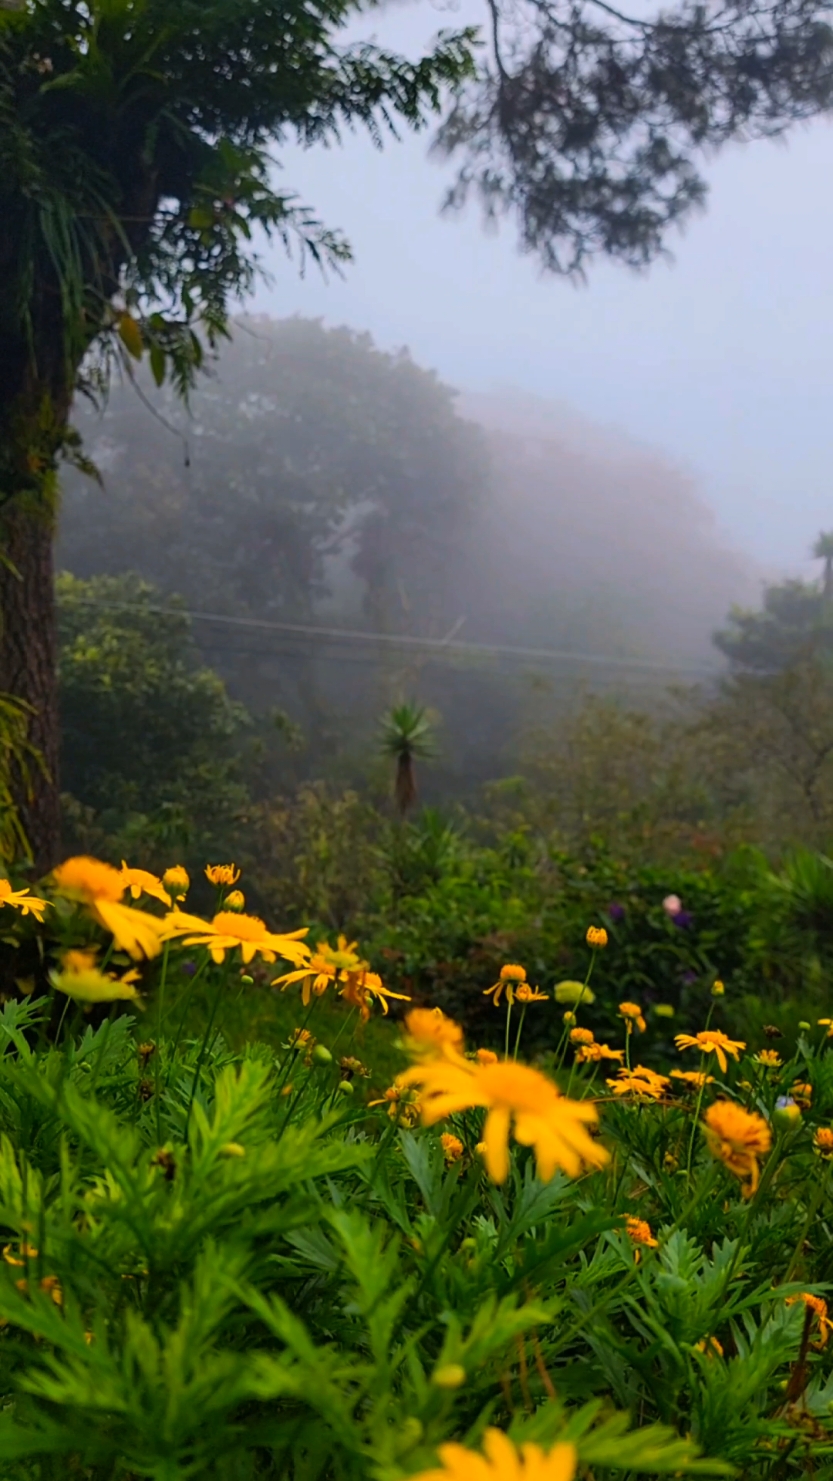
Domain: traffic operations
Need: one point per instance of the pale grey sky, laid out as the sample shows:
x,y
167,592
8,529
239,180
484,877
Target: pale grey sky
x,y
722,360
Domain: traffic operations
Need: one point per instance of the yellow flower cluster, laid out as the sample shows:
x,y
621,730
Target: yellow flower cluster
x,y
342,967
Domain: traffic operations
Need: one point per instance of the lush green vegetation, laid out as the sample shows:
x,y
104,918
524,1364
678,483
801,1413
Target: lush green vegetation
x,y
238,1254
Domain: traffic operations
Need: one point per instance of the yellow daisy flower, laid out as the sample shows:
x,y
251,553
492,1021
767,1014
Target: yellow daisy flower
x,y
222,874
503,1462
510,975
229,931
711,1041
100,887
514,1097
430,1032
738,1138
22,900
141,882
86,984
632,1014
639,1232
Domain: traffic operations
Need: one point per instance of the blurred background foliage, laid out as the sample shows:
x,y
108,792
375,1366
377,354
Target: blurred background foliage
x,y
319,483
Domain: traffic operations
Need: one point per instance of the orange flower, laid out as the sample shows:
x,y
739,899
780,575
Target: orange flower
x,y
100,887
510,974
452,1147
513,1095
316,977
430,1032
802,1095
639,1232
632,1014
361,987
818,1306
639,1081
503,1462
711,1041
23,900
526,994
141,882
738,1138
770,1057
486,1056
824,1141
694,1080
222,874
401,1103
581,1036
229,930
596,936
594,1053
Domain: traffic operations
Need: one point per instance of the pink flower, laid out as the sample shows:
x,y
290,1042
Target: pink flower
x,y
672,905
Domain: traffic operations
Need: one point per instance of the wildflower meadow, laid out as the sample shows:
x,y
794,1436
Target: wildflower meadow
x,y
254,1258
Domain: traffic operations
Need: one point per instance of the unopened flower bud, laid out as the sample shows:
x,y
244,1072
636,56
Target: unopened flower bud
x,y
718,989
786,1112
346,1087
321,1055
451,1375
235,900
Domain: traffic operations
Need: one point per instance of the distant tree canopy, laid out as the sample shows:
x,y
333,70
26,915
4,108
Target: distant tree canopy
x,y
794,624
305,445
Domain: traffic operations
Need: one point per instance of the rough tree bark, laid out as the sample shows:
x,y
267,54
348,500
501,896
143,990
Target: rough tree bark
x,y
34,410
28,667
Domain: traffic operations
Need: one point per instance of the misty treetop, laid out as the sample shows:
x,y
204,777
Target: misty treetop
x,y
306,447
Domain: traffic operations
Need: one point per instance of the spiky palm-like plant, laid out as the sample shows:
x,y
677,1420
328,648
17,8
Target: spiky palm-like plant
x,y
407,736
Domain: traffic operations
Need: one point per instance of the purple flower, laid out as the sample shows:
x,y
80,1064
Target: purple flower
x,y
189,968
683,919
616,911
689,977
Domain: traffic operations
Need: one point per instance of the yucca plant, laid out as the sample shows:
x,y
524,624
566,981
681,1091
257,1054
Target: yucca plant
x,y
407,736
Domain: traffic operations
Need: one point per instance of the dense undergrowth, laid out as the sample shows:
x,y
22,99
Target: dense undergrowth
x,y
236,1257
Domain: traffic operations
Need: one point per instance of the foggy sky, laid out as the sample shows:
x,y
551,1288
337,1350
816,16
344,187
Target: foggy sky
x,y
722,361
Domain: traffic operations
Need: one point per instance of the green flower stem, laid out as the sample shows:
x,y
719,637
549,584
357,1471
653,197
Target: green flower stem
x,y
296,1047
160,1018
565,1037
695,1123
508,1017
520,1030
185,1002
203,1047
344,1025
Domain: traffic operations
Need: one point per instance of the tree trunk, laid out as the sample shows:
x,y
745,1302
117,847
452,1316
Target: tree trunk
x,y
35,396
28,666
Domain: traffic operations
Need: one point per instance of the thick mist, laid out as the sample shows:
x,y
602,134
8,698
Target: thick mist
x,y
586,534
316,482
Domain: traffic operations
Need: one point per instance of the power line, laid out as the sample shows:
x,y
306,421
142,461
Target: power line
x,y
405,640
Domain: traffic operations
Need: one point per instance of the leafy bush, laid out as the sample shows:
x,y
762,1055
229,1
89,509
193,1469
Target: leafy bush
x,y
234,1264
